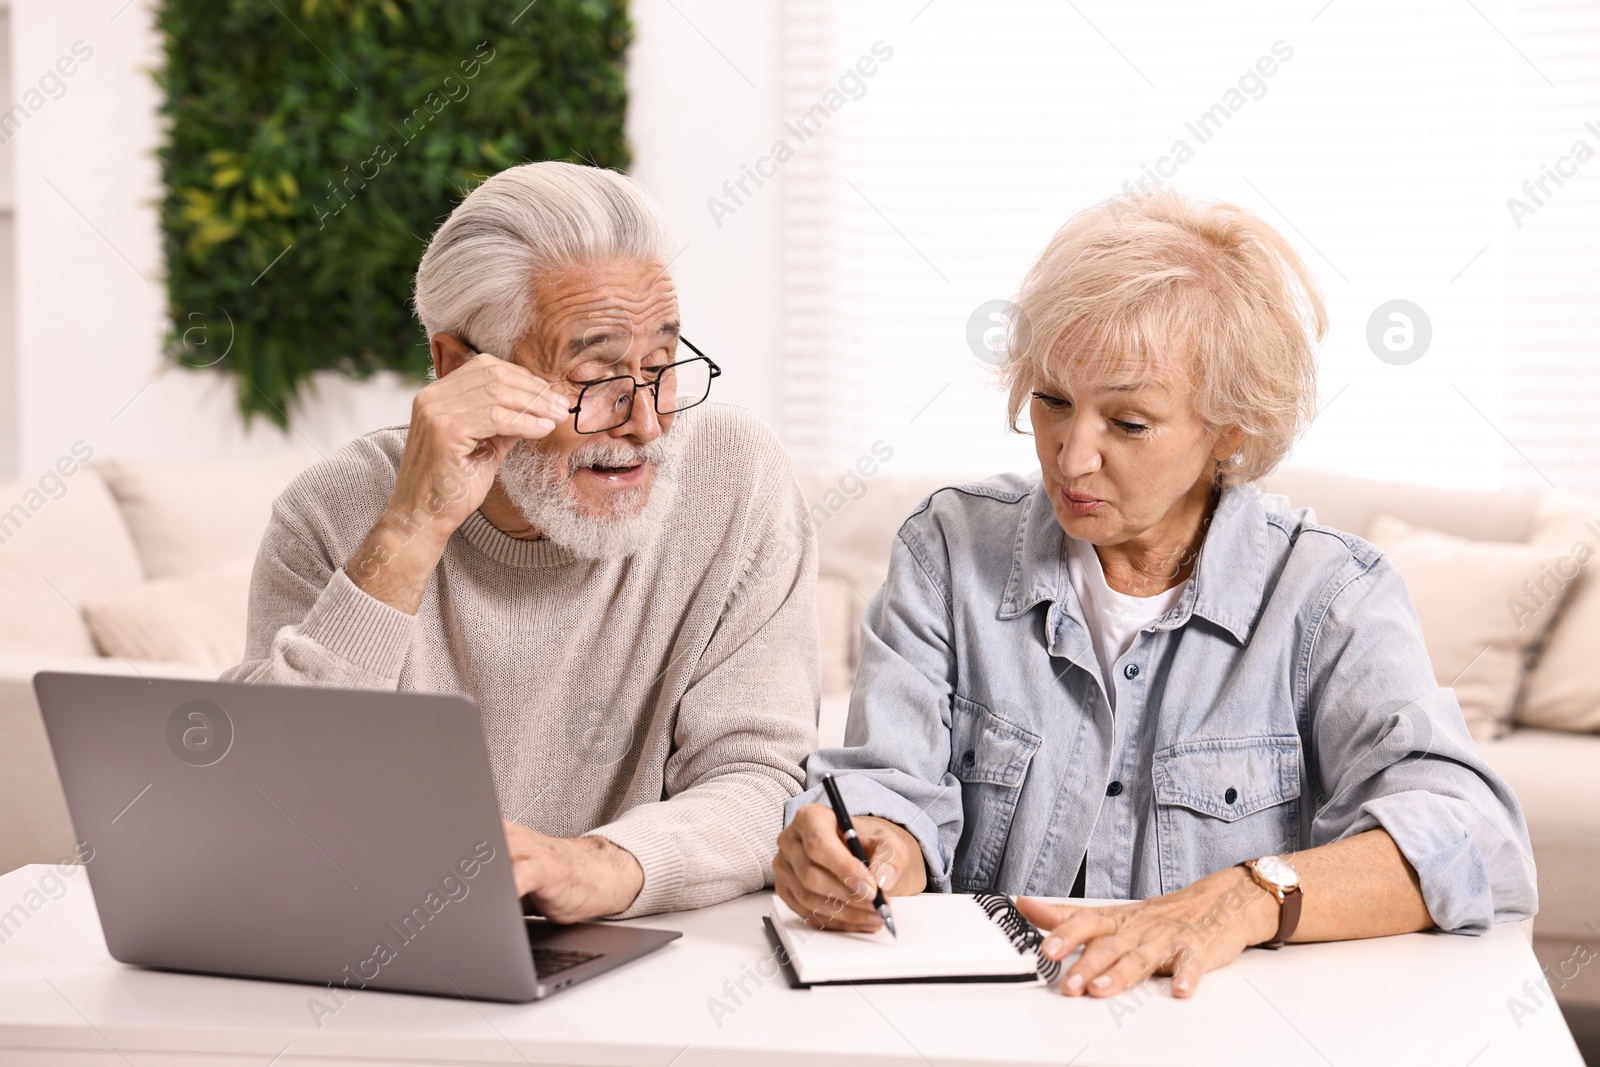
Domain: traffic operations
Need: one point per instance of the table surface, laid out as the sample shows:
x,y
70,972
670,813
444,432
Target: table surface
x,y
1416,999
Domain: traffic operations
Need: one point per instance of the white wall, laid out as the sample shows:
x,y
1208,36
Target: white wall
x,y
91,308
693,120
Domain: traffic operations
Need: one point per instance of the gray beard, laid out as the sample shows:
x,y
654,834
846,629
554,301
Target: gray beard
x,y
540,486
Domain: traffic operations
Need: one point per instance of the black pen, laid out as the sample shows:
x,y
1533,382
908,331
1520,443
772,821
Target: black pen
x,y
853,842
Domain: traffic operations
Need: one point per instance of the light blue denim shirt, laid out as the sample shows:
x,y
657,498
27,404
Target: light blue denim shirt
x,y
1285,702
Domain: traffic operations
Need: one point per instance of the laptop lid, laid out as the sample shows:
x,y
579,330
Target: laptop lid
x,y
318,835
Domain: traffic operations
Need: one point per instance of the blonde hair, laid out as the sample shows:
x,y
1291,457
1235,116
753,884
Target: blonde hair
x,y
1146,279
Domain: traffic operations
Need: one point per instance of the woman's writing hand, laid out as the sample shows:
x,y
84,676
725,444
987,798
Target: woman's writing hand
x,y
828,887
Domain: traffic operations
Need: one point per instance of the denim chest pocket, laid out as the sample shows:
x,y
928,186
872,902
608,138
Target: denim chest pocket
x,y
990,757
1219,803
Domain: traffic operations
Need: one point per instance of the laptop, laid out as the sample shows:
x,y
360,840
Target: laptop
x,y
346,838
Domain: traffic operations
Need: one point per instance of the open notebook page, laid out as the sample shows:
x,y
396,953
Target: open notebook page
x,y
942,935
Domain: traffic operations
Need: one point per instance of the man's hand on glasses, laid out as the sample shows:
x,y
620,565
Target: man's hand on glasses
x,y
462,427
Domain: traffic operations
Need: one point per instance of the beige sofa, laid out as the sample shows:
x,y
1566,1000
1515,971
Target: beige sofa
x,y
145,560
101,565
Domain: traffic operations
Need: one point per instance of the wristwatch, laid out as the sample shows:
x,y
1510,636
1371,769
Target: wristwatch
x,y
1277,876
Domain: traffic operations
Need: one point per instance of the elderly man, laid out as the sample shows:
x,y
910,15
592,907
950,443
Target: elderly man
x,y
622,579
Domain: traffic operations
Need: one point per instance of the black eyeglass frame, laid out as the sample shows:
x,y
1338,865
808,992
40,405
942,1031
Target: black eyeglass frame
x,y
655,396
654,386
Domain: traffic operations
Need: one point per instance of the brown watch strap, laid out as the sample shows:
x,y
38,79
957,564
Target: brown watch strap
x,y
1288,917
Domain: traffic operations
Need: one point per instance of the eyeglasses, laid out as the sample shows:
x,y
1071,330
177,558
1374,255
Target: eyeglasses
x,y
608,403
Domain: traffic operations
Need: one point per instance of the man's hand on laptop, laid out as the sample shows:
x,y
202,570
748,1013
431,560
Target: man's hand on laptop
x,y
570,879
462,427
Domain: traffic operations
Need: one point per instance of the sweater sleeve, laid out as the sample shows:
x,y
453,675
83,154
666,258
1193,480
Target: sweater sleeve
x,y
310,625
745,724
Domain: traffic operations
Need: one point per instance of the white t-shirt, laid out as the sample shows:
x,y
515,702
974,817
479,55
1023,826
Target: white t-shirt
x,y
1114,618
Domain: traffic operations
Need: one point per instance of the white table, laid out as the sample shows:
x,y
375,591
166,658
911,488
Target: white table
x,y
1413,1000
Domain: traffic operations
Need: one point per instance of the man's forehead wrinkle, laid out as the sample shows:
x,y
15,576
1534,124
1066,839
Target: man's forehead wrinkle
x,y
575,322
570,306
578,295
608,299
578,316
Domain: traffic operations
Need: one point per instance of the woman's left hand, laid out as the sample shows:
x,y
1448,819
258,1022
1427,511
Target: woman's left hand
x,y
1184,934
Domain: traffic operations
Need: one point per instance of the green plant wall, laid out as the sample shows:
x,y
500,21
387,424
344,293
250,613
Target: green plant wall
x,y
315,145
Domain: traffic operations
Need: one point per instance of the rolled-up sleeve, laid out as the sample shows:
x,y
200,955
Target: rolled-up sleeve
x,y
895,762
1392,751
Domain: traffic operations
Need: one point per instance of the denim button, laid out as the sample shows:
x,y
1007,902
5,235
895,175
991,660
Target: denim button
x,y
969,759
1114,789
1131,671
1231,795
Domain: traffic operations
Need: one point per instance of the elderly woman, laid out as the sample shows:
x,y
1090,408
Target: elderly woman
x,y
1132,675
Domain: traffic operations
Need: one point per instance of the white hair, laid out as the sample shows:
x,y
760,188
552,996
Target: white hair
x,y
475,280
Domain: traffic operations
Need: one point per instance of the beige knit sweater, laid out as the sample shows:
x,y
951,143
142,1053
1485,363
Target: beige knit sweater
x,y
664,701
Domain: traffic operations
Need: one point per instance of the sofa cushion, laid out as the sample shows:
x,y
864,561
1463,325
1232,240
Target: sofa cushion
x,y
1553,775
857,518
1465,594
191,517
197,619
1564,688
62,541
832,718
837,639
34,825
1349,503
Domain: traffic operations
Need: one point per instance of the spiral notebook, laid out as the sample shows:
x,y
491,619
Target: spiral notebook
x,y
944,937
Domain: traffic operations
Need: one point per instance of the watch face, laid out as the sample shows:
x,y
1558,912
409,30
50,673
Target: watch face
x,y
1279,871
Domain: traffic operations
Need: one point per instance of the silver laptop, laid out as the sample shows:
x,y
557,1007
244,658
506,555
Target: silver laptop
x,y
340,837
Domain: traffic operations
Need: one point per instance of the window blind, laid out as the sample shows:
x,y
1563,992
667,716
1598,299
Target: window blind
x,y
1383,140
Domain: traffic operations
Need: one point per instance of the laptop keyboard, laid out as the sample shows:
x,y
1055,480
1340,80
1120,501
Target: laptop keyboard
x,y
549,961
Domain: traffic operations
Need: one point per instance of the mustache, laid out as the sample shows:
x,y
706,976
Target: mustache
x,y
615,454
612,454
